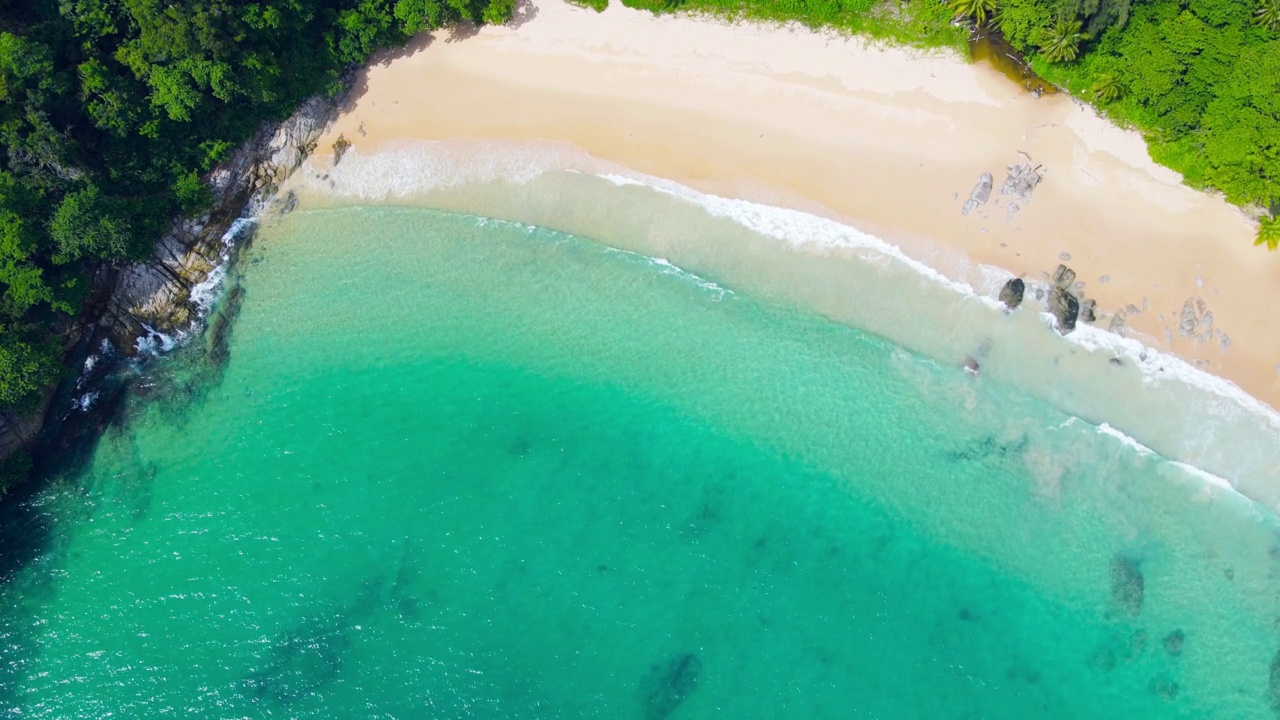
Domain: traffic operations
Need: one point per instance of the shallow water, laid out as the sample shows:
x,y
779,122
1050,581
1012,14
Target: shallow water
x,y
456,467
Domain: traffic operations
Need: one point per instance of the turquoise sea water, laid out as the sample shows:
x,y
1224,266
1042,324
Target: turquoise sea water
x,y
461,468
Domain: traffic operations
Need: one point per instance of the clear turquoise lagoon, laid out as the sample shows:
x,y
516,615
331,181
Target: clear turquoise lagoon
x,y
459,468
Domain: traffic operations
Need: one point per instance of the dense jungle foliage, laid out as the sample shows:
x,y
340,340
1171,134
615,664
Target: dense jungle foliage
x,y
111,110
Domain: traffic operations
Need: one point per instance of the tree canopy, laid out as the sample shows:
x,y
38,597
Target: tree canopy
x,y
111,110
1200,78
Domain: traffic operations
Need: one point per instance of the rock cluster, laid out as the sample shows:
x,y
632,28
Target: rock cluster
x,y
1020,182
155,296
1063,302
148,302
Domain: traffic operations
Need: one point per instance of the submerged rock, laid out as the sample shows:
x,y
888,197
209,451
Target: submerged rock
x,y
1127,585
1275,683
668,684
1012,292
1173,642
979,194
1164,687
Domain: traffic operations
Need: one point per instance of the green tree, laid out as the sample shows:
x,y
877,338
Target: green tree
x,y
979,10
1269,232
1106,88
89,224
1061,42
25,370
1268,15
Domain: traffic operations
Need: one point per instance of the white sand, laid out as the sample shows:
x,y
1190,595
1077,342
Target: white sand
x,y
882,138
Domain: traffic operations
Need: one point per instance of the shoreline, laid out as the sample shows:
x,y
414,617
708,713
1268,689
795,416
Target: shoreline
x,y
888,140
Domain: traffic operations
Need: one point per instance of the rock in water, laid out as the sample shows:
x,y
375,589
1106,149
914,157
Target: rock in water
x,y
1127,585
1011,293
1173,642
1275,683
668,683
1065,308
979,194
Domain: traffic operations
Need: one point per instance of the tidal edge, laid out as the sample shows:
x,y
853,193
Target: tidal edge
x,y
134,308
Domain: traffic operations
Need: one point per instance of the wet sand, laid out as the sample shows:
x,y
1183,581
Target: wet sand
x,y
886,139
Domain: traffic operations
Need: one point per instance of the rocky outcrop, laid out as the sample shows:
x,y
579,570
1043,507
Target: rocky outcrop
x,y
1063,303
1012,292
162,295
1021,181
1065,308
979,194
145,305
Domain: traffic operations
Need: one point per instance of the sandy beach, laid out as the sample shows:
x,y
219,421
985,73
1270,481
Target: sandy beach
x,y
886,139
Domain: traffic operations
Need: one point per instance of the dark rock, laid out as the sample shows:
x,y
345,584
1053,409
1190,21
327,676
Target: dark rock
x,y
668,684
1127,585
1065,309
1012,292
971,365
1173,642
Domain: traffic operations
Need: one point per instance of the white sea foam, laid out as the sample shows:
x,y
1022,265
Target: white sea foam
x,y
669,269
155,342
802,229
429,166
1204,476
85,401
206,292
1141,449
415,171
799,229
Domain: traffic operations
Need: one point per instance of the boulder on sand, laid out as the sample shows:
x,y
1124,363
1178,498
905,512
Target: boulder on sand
x,y
979,194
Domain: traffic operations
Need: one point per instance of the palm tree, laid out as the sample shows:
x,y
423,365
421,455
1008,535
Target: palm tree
x,y
1269,232
979,10
1268,15
1061,43
1106,88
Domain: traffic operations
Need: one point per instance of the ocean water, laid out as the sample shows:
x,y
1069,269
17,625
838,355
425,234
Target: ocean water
x,y
447,466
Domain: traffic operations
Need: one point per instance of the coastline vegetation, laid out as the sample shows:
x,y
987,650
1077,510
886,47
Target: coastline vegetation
x,y
1199,78
110,112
